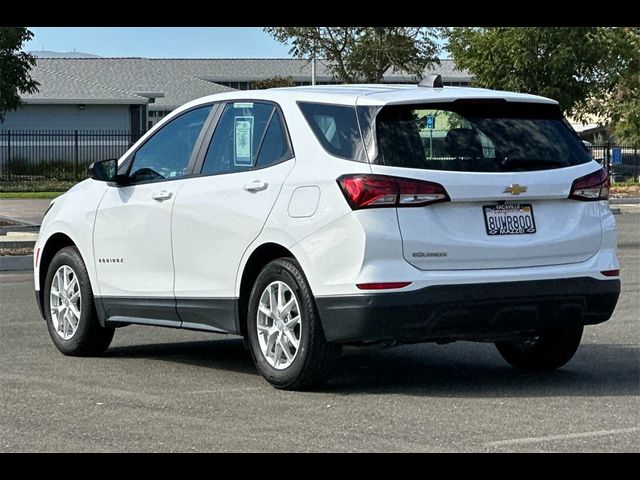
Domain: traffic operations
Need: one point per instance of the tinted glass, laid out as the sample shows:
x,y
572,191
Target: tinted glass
x,y
275,146
166,155
477,137
236,140
336,127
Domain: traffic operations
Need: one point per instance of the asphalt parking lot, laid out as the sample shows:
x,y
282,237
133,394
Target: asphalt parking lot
x,y
167,390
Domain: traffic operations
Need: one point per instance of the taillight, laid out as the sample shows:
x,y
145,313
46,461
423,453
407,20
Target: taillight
x,y
376,191
592,187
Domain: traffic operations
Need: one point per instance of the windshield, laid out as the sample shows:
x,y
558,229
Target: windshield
x,y
477,136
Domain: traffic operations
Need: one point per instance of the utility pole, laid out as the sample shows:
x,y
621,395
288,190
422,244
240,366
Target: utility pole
x,y
313,64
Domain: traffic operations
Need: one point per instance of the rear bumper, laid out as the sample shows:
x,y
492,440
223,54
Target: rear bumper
x,y
484,312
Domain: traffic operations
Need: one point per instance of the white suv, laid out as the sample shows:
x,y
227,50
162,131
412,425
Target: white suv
x,y
307,218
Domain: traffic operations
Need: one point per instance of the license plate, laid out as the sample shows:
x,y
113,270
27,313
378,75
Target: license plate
x,y
509,219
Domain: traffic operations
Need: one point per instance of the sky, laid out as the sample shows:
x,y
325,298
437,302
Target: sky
x,y
154,42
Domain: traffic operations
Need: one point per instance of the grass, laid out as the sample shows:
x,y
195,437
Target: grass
x,y
18,195
40,186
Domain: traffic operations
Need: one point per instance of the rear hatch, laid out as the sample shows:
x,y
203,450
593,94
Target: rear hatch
x,y
508,170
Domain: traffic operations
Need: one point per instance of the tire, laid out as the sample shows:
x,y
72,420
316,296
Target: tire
x,y
88,338
547,350
314,357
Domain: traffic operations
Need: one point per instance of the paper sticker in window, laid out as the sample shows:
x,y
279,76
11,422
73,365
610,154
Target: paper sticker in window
x,y
243,134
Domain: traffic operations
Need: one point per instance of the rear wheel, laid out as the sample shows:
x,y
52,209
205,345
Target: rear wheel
x,y
286,339
69,309
546,350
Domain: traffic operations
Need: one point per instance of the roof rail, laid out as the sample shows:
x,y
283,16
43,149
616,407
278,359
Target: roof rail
x,y
431,81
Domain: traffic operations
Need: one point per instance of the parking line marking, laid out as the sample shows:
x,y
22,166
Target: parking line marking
x,y
568,436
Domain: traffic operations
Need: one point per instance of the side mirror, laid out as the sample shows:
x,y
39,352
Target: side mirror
x,y
104,170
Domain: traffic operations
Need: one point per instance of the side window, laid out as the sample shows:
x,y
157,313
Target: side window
x,y
166,154
336,127
275,146
236,142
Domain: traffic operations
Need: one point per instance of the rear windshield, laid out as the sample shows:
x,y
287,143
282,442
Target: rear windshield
x,y
493,136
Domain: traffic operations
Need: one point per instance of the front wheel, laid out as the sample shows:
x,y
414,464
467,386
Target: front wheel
x,y
285,334
543,351
69,310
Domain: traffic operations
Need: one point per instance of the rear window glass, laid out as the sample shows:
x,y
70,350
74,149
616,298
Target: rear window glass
x,y
336,128
477,137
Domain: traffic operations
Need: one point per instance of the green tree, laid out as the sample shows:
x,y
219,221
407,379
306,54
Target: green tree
x,y
14,68
273,82
355,54
621,108
573,65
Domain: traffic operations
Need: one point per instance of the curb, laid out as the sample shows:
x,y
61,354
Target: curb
x,y
12,263
18,244
18,222
21,228
618,201
18,226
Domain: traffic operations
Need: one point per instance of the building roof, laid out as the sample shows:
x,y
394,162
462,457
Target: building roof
x,y
59,87
243,69
173,82
116,80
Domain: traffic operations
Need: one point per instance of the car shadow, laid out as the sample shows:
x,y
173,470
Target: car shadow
x,y
227,354
457,370
477,370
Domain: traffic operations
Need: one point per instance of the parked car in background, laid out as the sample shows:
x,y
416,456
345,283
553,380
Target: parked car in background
x,y
308,218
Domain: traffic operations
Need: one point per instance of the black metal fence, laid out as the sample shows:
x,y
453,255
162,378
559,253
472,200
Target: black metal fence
x,y
27,155
621,161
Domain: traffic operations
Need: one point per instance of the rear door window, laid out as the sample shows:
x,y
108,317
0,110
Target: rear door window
x,y
477,137
248,135
275,146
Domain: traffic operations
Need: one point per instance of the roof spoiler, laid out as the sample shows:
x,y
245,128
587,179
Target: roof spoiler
x,y
431,81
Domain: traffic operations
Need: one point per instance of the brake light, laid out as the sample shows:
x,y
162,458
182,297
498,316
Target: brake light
x,y
591,188
376,191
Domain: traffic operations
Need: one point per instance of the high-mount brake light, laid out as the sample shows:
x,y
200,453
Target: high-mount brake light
x,y
591,188
378,191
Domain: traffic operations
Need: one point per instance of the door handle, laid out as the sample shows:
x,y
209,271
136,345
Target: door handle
x,y
162,196
256,186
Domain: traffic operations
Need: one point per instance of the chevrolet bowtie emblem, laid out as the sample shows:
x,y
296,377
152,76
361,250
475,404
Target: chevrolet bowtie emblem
x,y
515,189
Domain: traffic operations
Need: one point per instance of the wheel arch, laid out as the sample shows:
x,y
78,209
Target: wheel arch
x,y
258,259
53,245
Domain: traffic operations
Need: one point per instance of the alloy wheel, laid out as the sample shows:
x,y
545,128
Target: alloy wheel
x,y
65,301
279,325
